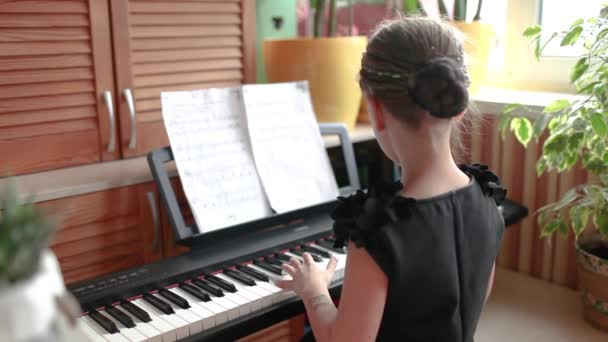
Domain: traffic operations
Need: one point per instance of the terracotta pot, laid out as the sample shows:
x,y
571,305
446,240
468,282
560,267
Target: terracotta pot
x,y
330,65
479,40
593,278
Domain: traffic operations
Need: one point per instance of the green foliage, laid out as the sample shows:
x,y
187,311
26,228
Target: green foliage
x,y
576,129
24,234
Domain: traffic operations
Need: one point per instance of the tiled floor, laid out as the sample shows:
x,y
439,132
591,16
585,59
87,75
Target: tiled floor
x,y
525,309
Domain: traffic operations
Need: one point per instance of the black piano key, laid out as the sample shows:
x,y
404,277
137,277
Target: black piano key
x,y
136,311
252,272
205,285
315,250
174,298
330,245
282,257
105,322
195,291
274,261
120,316
159,304
268,267
300,253
228,286
243,278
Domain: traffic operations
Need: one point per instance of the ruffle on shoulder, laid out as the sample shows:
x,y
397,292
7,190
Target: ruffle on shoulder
x,y
489,182
357,216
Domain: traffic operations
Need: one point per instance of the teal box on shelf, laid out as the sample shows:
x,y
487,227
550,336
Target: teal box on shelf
x,y
274,19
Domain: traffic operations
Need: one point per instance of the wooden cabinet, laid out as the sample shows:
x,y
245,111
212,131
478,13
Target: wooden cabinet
x,y
106,231
168,45
67,65
55,66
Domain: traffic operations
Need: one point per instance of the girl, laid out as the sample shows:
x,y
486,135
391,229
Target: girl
x,y
421,253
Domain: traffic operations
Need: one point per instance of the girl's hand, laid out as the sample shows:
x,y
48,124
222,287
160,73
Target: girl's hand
x,y
308,280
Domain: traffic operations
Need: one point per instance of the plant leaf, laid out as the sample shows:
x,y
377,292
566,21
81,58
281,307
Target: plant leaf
x,y
571,37
577,22
540,124
579,216
511,107
556,106
569,197
532,31
522,129
541,167
598,122
503,123
551,227
601,222
578,69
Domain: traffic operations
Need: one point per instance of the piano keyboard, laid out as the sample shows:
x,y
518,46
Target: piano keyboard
x,y
177,311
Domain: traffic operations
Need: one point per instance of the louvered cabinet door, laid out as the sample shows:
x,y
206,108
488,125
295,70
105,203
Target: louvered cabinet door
x,y
55,78
166,45
106,231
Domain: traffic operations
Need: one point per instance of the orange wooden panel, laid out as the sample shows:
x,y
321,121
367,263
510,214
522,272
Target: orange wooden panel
x,y
152,135
46,115
89,230
44,62
249,40
95,270
185,55
49,75
43,20
44,34
46,102
48,152
44,6
183,7
187,78
50,128
94,257
99,242
63,49
42,89
275,333
154,92
184,31
183,19
155,44
187,66
150,221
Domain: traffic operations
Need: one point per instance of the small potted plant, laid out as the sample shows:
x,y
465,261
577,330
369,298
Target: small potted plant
x,y
329,63
577,134
30,279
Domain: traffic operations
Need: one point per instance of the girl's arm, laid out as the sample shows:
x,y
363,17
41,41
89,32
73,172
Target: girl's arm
x,y
490,282
361,303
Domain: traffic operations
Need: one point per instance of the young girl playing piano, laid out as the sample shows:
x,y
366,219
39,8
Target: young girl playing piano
x,y
421,252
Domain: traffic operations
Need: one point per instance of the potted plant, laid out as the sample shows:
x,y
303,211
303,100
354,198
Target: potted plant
x,y
329,62
577,134
30,279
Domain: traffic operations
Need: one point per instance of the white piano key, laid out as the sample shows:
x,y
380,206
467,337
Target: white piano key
x,y
89,332
231,307
180,326
283,294
253,299
206,316
276,292
243,304
168,332
146,329
130,333
220,313
341,265
102,332
195,323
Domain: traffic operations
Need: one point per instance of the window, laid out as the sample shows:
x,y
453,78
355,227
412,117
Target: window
x,y
557,15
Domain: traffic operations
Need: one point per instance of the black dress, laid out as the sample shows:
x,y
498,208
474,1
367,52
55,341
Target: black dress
x,y
437,254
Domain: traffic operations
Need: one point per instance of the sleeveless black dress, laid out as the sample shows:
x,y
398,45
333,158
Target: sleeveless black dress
x,y
437,254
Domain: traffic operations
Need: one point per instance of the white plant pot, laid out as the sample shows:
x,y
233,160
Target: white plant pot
x,y
28,309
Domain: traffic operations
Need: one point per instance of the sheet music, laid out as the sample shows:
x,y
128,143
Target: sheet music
x,y
209,139
287,146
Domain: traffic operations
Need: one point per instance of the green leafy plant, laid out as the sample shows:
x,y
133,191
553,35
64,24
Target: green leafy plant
x,y
576,129
24,234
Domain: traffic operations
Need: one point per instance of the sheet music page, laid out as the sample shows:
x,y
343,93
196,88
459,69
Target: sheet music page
x,y
208,135
287,146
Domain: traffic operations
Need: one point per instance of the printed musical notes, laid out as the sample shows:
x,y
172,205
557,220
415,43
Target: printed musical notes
x,y
208,137
287,146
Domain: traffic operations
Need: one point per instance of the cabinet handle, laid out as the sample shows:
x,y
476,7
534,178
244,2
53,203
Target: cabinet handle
x,y
156,220
128,94
107,96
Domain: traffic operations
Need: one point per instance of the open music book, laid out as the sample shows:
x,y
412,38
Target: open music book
x,y
243,152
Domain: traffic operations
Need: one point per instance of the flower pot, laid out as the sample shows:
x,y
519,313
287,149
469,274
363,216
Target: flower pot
x,y
593,277
28,308
478,42
330,65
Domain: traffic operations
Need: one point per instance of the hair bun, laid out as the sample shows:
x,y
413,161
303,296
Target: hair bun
x,y
440,87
